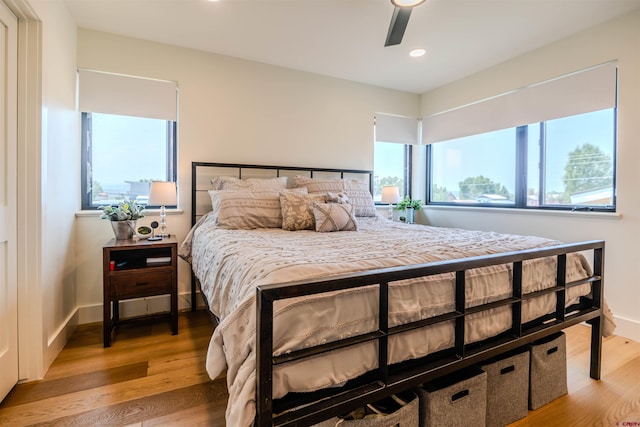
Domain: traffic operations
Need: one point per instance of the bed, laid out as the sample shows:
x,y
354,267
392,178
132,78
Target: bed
x,y
312,324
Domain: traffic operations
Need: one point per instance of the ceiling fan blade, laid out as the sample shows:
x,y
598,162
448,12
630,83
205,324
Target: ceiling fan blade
x,y
399,21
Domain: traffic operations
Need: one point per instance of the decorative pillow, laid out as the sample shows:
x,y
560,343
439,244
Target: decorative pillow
x,y
337,198
357,191
297,210
250,184
334,217
360,197
246,210
320,185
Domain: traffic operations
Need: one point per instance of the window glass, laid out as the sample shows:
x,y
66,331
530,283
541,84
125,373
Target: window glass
x,y
578,160
478,169
390,167
122,155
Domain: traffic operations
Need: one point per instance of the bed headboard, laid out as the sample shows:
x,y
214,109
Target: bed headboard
x,y
203,172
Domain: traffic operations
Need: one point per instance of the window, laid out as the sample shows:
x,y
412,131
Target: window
x,y
391,166
395,140
475,169
572,161
565,163
122,155
128,136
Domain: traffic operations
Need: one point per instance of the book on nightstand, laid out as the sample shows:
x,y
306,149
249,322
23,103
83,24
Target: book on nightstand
x,y
159,260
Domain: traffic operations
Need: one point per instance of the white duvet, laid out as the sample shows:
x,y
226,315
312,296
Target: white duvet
x,y
231,263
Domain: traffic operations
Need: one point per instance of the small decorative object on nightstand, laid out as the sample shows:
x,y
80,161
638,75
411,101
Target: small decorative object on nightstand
x,y
163,193
391,195
138,269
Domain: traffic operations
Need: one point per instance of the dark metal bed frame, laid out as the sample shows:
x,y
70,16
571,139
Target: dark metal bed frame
x,y
310,408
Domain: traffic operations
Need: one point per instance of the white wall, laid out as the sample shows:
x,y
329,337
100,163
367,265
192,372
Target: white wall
x,y
232,110
60,162
618,39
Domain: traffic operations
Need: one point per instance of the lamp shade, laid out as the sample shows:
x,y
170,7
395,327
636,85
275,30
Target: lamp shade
x,y
390,194
163,193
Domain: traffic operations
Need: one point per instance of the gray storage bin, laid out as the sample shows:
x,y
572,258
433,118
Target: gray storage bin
x,y
401,416
507,388
459,399
548,372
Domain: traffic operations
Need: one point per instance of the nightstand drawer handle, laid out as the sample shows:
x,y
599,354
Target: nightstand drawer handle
x,y
142,283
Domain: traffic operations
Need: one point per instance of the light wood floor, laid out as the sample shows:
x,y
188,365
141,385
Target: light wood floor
x,y
151,378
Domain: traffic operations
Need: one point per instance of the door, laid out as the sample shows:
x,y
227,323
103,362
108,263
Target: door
x,y
8,203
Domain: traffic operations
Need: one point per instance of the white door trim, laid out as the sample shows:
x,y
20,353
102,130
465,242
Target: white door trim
x,y
8,202
29,169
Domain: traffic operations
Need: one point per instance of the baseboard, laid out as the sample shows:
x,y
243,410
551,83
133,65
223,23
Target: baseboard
x,y
628,328
58,339
137,307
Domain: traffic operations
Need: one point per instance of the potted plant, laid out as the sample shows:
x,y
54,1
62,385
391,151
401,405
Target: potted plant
x,y
123,217
409,206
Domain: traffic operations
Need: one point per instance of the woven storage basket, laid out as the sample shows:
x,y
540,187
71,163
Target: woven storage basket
x,y
548,372
405,416
456,400
507,388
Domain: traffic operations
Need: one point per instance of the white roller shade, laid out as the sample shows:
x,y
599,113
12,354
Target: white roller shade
x,y
126,95
402,130
584,91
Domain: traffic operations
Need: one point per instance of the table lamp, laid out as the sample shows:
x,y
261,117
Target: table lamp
x,y
163,193
390,194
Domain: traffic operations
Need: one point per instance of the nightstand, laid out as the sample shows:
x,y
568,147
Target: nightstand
x,y
138,269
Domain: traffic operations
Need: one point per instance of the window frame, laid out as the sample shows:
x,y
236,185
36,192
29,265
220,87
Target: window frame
x,y
522,142
85,158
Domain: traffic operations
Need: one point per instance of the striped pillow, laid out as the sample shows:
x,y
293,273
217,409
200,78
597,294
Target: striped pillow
x,y
357,191
246,210
250,184
360,197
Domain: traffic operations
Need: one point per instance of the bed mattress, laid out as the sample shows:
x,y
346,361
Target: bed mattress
x,y
231,263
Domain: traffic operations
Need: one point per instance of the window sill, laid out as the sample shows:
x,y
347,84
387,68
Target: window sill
x,y
538,212
150,212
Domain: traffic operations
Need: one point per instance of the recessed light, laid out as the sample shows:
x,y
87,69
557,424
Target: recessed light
x,y
406,3
417,53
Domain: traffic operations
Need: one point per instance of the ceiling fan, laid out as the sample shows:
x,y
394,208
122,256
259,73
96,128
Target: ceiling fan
x,y
399,20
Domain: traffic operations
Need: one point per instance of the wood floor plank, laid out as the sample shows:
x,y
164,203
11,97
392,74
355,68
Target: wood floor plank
x,y
138,410
78,402
209,415
39,390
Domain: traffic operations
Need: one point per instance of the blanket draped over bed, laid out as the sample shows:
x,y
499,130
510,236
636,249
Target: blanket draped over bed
x,y
230,264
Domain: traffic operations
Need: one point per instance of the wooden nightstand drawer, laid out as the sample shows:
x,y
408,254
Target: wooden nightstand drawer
x,y
132,285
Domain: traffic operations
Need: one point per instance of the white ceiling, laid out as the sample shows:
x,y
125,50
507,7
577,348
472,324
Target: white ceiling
x,y
345,38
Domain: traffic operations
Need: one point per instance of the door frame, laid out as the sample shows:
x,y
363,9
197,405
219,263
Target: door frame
x,y
29,180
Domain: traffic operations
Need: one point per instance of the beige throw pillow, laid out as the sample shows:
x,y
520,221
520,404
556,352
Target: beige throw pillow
x,y
297,210
334,217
